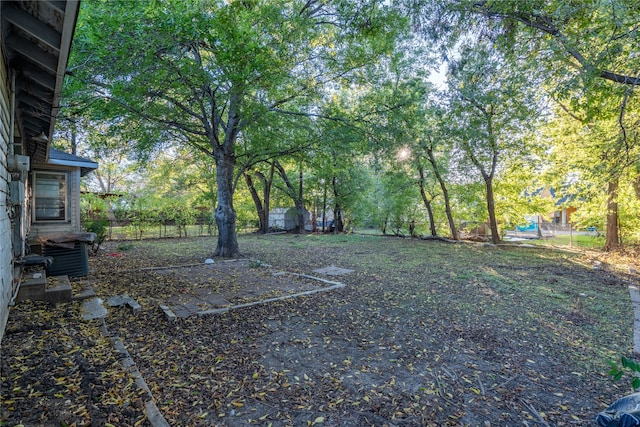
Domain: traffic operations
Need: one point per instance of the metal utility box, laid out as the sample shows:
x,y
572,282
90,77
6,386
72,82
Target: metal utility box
x,y
16,192
17,162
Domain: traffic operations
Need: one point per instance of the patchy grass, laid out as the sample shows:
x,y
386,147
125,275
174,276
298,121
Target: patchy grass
x,y
425,333
575,240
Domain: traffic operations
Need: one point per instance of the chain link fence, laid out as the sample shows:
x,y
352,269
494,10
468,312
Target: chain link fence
x,y
546,233
132,230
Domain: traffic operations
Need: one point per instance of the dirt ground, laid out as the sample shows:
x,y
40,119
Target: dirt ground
x,y
422,334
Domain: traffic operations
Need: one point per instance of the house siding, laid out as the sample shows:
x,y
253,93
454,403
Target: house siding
x,y
72,225
6,258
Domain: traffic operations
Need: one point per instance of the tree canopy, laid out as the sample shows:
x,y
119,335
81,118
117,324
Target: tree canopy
x,y
300,100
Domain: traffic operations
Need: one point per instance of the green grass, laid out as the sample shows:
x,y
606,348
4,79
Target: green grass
x,y
576,240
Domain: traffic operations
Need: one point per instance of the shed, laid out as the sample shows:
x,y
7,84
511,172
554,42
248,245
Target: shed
x,y
287,219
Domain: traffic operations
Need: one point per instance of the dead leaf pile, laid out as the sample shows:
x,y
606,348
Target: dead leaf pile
x,y
58,370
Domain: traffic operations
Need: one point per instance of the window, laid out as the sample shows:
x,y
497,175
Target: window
x,y
50,199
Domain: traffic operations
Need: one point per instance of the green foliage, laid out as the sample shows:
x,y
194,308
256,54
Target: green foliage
x,y
255,263
584,55
92,206
204,90
99,226
399,202
626,366
211,75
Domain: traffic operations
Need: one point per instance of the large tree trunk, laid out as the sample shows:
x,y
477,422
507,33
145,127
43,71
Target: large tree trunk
x,y
491,209
445,193
427,202
262,206
225,213
613,230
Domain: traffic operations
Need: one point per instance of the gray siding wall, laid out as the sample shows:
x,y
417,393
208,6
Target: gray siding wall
x,y
6,259
73,208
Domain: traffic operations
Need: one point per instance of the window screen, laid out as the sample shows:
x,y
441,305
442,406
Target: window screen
x,y
50,196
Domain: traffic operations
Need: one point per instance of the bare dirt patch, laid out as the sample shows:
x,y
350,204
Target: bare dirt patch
x,y
231,283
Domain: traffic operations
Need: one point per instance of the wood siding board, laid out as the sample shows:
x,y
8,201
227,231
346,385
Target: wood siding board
x,y
72,225
6,259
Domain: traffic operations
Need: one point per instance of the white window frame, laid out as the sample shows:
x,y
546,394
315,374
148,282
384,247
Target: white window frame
x,y
65,178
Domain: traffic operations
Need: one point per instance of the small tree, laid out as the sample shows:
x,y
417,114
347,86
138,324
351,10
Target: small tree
x,y
492,109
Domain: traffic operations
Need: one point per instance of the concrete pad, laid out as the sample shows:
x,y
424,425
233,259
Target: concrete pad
x,y
185,310
336,285
93,309
86,293
216,299
333,271
60,292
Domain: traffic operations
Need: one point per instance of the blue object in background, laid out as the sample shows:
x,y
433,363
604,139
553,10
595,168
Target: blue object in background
x,y
532,226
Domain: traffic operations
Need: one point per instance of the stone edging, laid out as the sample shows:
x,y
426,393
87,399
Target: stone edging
x,y
635,301
334,285
151,410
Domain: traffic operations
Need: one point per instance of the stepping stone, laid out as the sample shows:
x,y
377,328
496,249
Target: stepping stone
x,y
168,313
60,292
120,300
86,293
93,309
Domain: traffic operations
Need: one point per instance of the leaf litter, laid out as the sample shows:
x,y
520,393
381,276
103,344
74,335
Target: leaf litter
x,y
424,333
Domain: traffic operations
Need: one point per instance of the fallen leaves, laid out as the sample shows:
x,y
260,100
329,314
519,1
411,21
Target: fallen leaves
x,y
60,370
420,337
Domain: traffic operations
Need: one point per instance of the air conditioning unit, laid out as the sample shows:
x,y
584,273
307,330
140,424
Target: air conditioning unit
x,y
74,262
17,162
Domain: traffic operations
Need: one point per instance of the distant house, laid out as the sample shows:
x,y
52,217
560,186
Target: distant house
x,y
563,204
563,215
35,41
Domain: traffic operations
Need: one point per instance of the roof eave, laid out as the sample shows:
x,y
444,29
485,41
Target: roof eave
x,y
70,18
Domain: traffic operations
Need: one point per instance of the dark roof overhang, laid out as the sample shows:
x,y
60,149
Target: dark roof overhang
x,y
37,36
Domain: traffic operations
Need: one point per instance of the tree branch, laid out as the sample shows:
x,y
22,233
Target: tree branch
x,y
546,25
